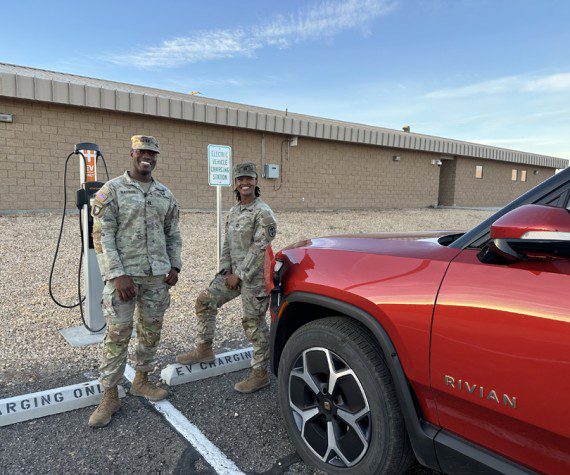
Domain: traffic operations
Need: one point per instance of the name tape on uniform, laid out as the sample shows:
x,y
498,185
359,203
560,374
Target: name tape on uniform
x,y
53,401
235,360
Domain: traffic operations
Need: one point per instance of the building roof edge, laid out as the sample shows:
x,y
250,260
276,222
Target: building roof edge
x,y
69,89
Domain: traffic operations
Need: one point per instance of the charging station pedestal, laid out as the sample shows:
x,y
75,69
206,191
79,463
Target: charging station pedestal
x,y
93,282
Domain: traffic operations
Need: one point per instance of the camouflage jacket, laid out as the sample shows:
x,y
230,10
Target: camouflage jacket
x,y
249,230
135,233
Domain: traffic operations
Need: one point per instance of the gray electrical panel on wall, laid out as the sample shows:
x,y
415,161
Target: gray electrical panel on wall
x,y
271,171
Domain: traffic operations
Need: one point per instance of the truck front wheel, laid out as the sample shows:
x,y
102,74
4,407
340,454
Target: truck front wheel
x,y
338,401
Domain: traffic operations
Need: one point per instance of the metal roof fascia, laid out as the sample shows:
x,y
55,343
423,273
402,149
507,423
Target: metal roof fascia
x,y
175,108
8,84
222,115
76,94
296,128
60,92
187,110
43,90
319,130
288,125
270,123
279,121
136,103
304,127
251,120
48,89
232,117
374,137
93,97
210,114
25,87
200,112
163,106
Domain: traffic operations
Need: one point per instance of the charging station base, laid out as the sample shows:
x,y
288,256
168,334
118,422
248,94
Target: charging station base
x,y
80,336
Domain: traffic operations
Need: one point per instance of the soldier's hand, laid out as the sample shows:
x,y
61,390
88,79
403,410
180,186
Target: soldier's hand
x,y
172,277
125,287
232,281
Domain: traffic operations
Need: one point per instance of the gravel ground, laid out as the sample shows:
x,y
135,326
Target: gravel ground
x,y
31,347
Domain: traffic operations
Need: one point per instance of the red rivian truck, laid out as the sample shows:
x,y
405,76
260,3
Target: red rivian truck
x,y
454,350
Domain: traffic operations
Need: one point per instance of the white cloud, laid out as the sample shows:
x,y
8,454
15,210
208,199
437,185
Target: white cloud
x,y
553,83
550,114
324,19
207,45
494,86
550,83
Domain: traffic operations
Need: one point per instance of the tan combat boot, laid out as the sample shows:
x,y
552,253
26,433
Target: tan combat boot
x,y
105,410
202,354
258,378
142,387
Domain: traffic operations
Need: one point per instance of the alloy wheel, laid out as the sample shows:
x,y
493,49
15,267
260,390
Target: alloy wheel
x,y
329,407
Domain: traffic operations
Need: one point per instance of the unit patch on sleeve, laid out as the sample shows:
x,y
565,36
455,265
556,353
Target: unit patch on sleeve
x,y
271,231
97,208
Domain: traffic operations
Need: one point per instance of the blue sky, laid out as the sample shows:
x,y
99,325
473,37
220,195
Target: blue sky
x,y
495,72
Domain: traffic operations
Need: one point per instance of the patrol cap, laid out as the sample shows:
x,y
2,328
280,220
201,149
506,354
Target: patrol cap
x,y
144,142
245,169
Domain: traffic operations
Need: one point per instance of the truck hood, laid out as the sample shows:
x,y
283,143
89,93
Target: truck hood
x,y
409,236
421,244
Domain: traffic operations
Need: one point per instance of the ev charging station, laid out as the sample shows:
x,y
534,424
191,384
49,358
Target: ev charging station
x,y
92,330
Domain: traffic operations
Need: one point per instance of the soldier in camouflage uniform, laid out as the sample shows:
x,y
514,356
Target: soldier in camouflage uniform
x,y
250,228
136,236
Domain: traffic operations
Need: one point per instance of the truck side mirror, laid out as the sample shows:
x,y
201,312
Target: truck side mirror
x,y
529,233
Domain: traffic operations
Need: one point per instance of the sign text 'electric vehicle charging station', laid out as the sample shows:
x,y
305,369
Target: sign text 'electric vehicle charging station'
x,y
219,174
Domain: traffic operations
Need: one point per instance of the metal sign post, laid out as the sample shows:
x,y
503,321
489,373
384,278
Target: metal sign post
x,y
219,174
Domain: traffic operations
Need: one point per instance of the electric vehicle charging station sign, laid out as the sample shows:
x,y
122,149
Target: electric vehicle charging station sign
x,y
219,165
219,174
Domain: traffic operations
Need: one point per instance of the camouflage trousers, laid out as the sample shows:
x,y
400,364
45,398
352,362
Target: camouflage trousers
x,y
152,299
254,302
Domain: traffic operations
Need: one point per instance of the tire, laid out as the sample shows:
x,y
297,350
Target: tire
x,y
359,428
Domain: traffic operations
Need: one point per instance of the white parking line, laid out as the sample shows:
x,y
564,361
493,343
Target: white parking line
x,y
212,455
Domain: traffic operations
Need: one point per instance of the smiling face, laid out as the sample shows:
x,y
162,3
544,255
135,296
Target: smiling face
x,y
245,185
144,162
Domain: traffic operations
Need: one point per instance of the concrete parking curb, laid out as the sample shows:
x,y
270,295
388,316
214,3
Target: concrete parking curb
x,y
52,401
234,360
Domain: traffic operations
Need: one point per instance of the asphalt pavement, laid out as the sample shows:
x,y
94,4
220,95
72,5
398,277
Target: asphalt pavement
x,y
247,428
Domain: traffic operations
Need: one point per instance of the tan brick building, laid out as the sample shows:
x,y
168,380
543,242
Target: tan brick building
x,y
381,168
